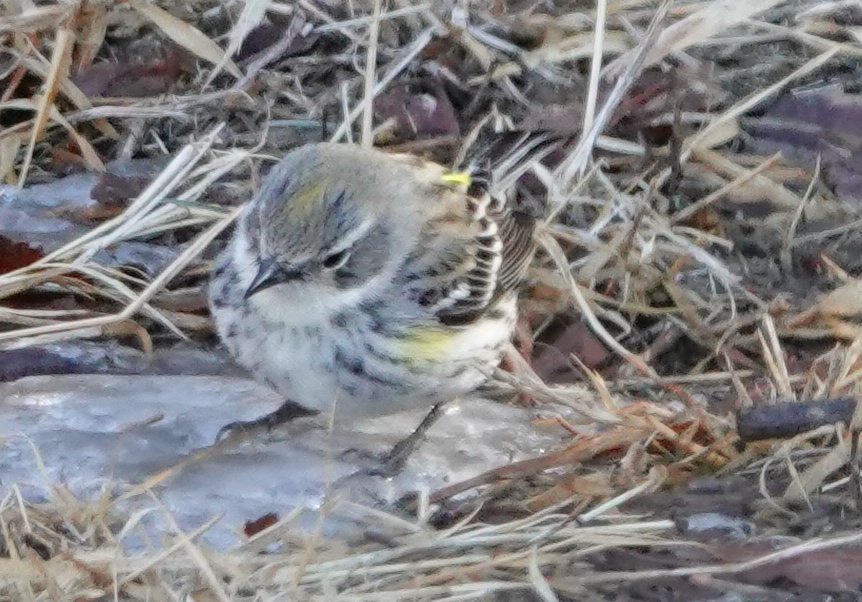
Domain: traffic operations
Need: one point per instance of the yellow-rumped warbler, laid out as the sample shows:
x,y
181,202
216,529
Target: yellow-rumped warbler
x,y
376,282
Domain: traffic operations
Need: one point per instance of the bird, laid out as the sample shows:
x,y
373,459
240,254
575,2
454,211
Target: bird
x,y
362,283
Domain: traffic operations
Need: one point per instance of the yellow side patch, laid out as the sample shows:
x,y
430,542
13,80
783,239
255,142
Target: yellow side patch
x,y
424,344
461,178
308,198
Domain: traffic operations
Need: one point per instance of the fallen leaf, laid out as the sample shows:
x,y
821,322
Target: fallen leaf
x,y
130,81
113,189
553,363
648,108
658,93
253,12
91,21
710,20
187,36
416,111
830,570
266,35
253,527
112,192
16,255
805,125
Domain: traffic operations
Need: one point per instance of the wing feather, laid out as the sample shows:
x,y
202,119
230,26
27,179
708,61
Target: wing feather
x,y
474,248
498,258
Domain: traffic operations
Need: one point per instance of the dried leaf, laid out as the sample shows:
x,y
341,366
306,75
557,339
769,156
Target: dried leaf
x,y
648,109
129,81
253,527
112,192
16,255
187,36
658,93
553,364
714,18
253,12
266,35
830,570
416,112
825,123
117,190
92,21
836,570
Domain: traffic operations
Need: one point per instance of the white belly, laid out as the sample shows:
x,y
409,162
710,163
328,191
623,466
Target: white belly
x,y
320,363
301,364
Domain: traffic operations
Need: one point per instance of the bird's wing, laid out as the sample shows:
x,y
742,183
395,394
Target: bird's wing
x,y
471,260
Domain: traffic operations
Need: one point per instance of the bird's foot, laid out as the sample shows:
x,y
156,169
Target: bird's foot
x,y
386,465
392,463
288,411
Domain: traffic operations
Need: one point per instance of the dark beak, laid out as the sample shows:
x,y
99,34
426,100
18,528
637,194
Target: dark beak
x,y
271,274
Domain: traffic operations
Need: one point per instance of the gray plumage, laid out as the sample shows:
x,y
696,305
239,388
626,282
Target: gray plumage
x,y
370,281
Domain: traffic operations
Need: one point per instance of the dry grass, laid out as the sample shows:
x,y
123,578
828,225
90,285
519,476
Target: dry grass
x,y
636,247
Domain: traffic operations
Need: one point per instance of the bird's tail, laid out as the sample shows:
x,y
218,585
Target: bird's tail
x,y
497,161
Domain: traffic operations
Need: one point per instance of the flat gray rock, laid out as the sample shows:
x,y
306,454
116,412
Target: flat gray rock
x,y
94,433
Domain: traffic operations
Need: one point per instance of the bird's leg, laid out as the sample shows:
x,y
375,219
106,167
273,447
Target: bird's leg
x,y
289,410
394,461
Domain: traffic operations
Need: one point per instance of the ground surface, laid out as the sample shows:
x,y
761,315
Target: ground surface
x,y
708,214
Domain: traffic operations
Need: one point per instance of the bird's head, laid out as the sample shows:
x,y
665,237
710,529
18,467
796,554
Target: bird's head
x,y
326,222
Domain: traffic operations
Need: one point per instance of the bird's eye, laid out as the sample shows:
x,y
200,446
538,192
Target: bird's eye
x,y
336,260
